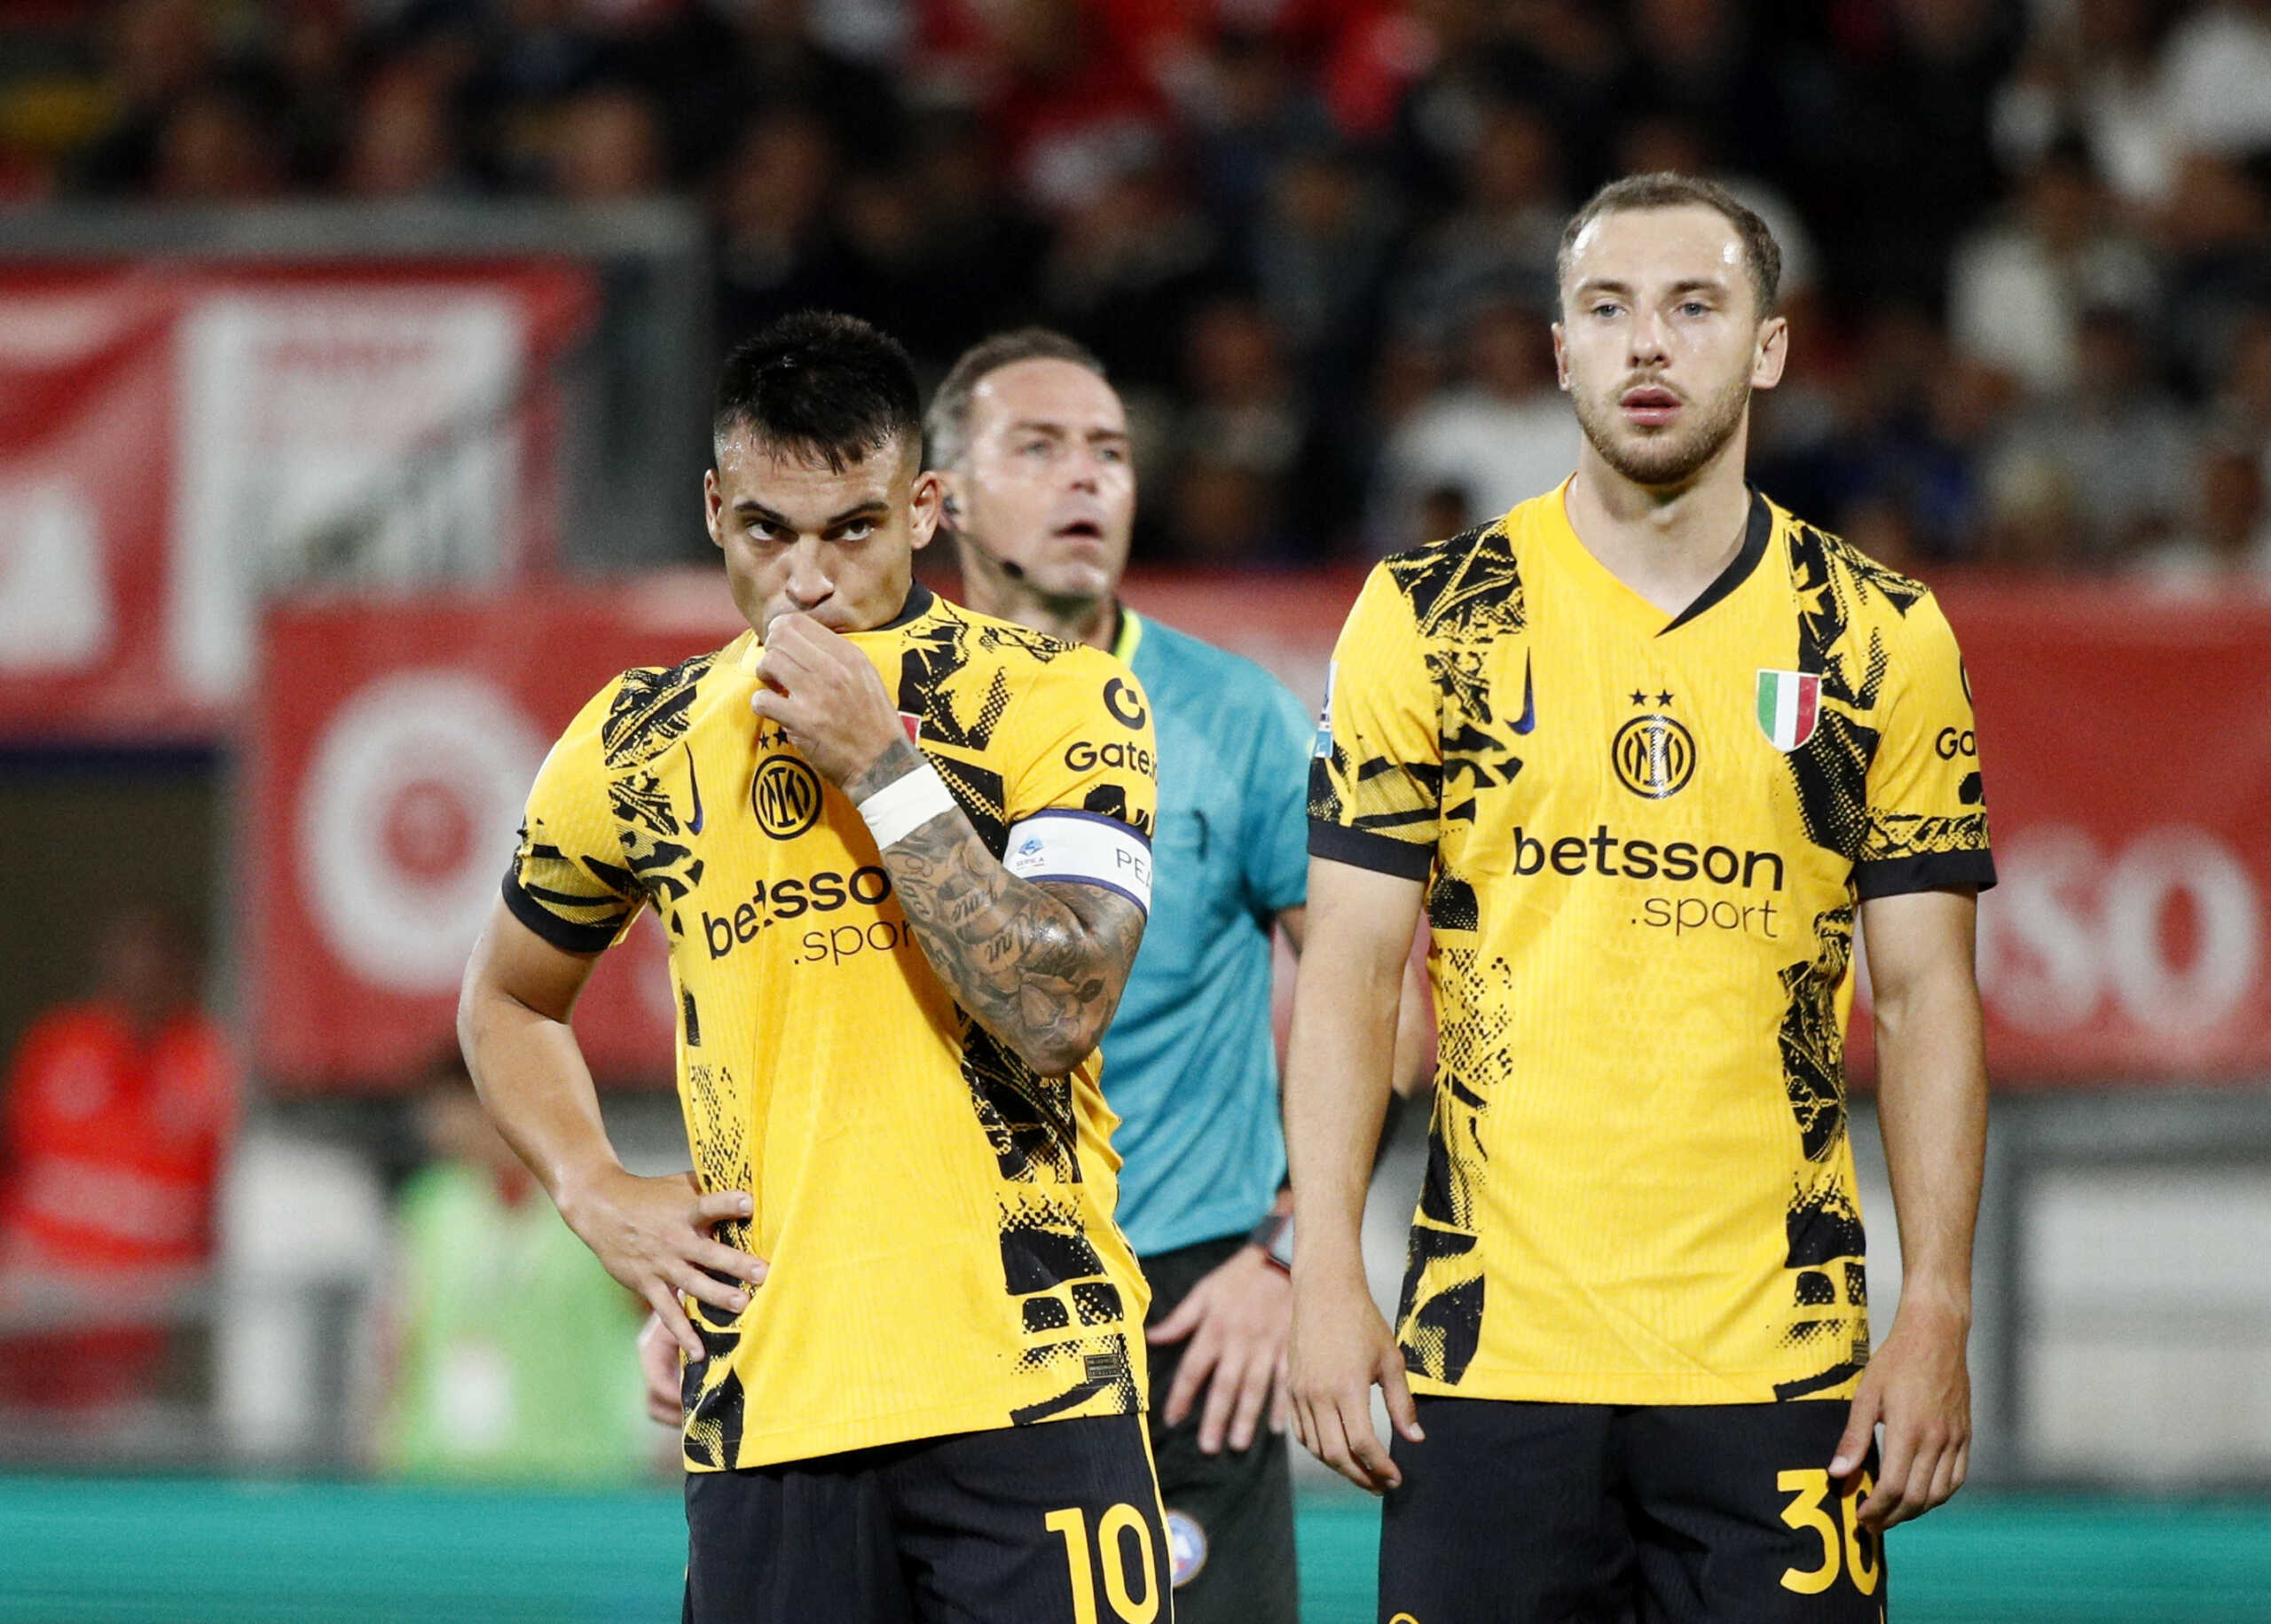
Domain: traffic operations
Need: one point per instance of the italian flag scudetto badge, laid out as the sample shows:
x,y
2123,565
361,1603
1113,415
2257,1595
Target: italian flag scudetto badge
x,y
1789,705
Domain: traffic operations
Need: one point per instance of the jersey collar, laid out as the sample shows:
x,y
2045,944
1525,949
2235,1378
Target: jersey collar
x,y
1597,580
919,598
1755,538
1130,636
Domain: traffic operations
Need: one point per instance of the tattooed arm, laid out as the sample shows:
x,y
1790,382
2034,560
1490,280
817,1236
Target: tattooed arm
x,y
1039,965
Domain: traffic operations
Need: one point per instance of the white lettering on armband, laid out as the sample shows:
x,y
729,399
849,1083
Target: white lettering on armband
x,y
1086,848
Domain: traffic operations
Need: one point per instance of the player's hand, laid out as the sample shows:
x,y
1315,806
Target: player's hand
x,y
1919,1387
658,1362
1341,1346
1238,1319
826,695
653,1234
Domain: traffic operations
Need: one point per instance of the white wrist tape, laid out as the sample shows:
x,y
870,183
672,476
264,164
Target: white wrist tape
x,y
905,804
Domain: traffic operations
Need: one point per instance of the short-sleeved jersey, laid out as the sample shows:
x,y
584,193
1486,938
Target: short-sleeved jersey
x,y
1643,837
938,1216
1193,1062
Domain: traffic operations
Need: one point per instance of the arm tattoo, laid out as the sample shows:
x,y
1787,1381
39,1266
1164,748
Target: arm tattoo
x,y
1039,965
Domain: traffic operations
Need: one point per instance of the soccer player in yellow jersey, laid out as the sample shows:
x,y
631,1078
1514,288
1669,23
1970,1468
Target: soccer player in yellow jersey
x,y
1644,748
902,853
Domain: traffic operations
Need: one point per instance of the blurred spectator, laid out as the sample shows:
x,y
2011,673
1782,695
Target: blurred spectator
x,y
534,57
1885,530
1502,241
608,147
718,68
154,52
2224,546
1503,434
1238,443
2216,76
1904,157
2241,410
116,1121
771,232
1071,99
1447,510
1125,271
2017,289
980,253
405,139
315,63
1693,64
1556,55
1899,454
214,148
1319,254
2217,236
2098,78
510,1348
1368,174
2119,443
2030,519
1246,108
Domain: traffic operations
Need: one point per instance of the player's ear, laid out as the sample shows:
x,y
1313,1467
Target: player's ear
x,y
1560,359
714,507
927,506
1772,354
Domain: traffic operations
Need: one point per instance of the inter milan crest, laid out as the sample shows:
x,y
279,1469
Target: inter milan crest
x,y
1789,706
785,795
1654,754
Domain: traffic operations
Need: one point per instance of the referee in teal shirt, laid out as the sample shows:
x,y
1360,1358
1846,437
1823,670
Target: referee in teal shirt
x,y
1034,443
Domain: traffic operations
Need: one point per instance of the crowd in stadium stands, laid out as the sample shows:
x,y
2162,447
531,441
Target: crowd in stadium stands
x,y
2029,243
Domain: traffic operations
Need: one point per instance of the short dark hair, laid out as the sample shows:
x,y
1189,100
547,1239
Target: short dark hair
x,y
821,386
949,417
1666,189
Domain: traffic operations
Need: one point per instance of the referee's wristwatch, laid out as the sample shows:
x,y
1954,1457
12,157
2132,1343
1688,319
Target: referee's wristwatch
x,y
1275,1236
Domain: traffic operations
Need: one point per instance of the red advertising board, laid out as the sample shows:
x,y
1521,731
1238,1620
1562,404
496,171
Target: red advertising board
x,y
2127,748
176,439
394,744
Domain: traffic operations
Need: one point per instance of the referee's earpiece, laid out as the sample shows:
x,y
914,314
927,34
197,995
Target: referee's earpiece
x,y
953,510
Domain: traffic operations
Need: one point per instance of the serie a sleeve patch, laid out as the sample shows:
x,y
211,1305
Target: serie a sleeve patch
x,y
1086,848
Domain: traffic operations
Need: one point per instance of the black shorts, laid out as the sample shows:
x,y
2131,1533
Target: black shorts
x,y
1057,1523
1229,1516
1593,1514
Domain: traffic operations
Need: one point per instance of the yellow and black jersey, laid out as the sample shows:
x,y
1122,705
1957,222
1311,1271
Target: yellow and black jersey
x,y
1642,838
938,1216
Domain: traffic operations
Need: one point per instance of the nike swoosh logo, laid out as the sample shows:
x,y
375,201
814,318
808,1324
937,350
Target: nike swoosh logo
x,y
696,784
1528,718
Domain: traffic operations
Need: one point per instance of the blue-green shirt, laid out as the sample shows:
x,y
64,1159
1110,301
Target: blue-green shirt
x,y
1189,1063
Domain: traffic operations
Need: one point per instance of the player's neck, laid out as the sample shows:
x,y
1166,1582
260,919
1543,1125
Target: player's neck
x,y
1093,621
1666,543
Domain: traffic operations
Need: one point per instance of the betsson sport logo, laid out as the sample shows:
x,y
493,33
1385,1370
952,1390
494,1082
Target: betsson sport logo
x,y
864,890
1756,875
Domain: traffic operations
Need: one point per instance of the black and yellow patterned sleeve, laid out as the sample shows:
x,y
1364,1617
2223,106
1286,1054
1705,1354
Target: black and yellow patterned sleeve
x,y
1084,789
567,880
1376,770
1927,826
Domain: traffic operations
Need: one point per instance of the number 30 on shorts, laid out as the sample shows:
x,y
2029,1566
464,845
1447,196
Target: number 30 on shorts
x,y
1071,1523
1852,1549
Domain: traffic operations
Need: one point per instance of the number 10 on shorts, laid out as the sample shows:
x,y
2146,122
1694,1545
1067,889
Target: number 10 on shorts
x,y
1111,1556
